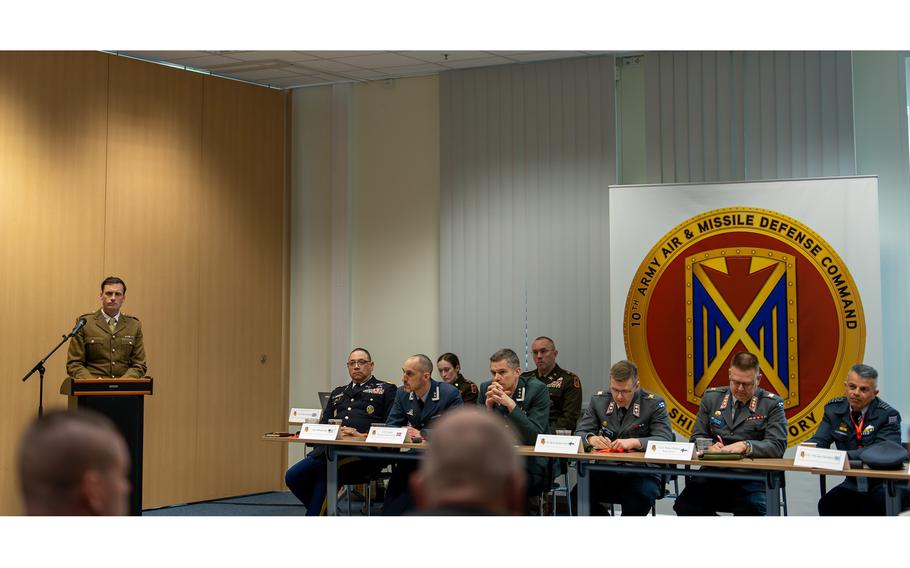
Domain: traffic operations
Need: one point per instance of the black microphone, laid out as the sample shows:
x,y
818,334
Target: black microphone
x,y
79,325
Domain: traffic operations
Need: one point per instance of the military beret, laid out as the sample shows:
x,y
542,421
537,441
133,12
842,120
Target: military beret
x,y
884,455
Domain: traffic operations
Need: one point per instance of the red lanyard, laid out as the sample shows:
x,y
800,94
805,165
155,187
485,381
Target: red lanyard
x,y
858,427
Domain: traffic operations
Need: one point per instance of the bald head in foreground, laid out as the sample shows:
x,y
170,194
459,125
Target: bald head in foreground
x,y
470,468
74,463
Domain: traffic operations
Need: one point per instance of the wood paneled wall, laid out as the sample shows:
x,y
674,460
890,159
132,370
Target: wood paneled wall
x,y
175,182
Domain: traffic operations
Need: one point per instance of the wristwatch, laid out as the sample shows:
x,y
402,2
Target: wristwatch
x,y
748,448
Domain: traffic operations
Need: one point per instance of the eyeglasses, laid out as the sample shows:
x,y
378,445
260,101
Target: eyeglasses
x,y
744,386
358,363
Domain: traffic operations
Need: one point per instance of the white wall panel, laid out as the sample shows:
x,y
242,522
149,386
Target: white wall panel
x,y
527,153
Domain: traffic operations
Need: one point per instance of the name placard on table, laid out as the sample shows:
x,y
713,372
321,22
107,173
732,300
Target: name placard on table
x,y
304,415
676,451
821,458
319,432
555,444
386,435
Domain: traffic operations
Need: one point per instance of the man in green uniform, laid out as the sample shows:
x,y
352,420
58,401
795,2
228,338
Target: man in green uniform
x,y
110,343
624,418
742,419
525,404
564,386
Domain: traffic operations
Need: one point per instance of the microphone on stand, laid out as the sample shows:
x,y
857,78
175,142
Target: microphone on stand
x,y
79,325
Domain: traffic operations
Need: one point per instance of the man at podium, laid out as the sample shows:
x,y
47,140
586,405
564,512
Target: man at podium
x,y
110,343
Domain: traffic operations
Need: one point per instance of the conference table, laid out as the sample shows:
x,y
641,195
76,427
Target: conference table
x,y
768,471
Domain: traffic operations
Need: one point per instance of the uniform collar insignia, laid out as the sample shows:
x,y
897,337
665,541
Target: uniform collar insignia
x,y
611,407
435,396
725,402
636,410
754,404
410,412
521,395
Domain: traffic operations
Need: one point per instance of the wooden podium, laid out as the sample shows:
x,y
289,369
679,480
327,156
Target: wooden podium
x,y
123,401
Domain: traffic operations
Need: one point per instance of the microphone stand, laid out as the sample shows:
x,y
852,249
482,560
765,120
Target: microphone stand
x,y
40,369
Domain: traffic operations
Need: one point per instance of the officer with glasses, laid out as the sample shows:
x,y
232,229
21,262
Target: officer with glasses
x,y
740,419
358,404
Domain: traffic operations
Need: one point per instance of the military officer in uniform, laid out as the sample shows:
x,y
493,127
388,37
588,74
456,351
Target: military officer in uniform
x,y
857,420
358,404
743,419
624,418
450,371
110,343
417,405
525,404
564,387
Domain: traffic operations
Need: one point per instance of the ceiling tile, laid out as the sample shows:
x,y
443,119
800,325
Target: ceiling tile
x,y
439,56
368,74
257,74
380,60
337,54
326,65
423,68
296,81
165,55
545,55
270,55
208,60
481,62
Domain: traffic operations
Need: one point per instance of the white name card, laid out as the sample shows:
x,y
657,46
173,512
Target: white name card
x,y
386,435
554,444
319,432
821,458
304,415
676,451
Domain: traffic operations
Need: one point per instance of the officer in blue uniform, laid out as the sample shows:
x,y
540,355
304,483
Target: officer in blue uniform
x,y
362,402
624,418
525,404
743,419
852,422
420,402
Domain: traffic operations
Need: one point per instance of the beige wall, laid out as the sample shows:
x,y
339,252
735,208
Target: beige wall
x,y
175,182
365,241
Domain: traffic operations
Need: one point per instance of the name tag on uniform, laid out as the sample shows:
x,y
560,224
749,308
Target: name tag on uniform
x,y
554,444
676,451
821,458
304,415
386,435
319,432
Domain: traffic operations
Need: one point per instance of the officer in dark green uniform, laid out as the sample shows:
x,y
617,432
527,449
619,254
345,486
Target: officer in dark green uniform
x,y
743,419
852,422
110,343
564,387
624,418
525,404
450,371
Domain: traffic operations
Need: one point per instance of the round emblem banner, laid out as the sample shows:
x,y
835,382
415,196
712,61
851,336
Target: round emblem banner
x,y
744,279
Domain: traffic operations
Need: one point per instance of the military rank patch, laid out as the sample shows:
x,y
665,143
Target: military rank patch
x,y
636,409
576,383
892,419
661,404
717,421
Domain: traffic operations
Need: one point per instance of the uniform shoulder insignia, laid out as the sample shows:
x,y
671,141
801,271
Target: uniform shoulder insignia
x,y
884,405
650,395
770,395
87,315
836,400
576,382
473,388
713,389
600,393
131,317
529,374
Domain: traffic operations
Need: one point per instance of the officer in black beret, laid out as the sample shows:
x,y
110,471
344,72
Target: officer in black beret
x,y
853,422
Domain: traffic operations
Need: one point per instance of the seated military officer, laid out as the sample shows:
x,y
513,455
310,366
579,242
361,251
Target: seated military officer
x,y
564,386
363,401
744,419
857,420
417,405
525,404
471,468
624,418
450,371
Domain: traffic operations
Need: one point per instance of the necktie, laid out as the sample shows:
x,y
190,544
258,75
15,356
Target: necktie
x,y
112,323
857,416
